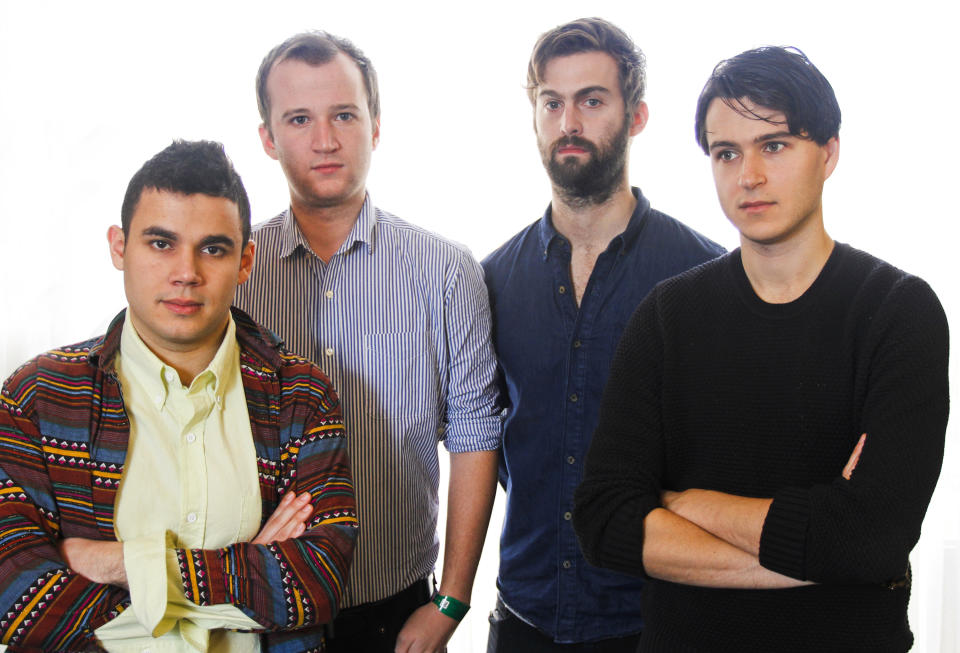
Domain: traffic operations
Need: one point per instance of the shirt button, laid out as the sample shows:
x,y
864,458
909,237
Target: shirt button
x,y
329,294
191,437
571,460
328,351
169,375
573,397
568,515
562,289
566,564
191,517
576,344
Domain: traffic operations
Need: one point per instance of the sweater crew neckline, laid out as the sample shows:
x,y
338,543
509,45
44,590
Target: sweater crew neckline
x,y
790,309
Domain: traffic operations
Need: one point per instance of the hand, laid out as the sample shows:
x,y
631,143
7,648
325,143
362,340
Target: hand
x,y
427,631
854,458
669,498
100,561
287,521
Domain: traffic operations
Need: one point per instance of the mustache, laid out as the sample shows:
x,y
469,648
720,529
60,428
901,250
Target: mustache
x,y
574,141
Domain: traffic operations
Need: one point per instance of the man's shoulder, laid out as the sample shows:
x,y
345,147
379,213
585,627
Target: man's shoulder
x,y
67,368
875,283
416,239
667,231
524,242
268,234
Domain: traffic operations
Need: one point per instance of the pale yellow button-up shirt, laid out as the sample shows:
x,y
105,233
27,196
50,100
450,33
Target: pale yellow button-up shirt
x,y
189,481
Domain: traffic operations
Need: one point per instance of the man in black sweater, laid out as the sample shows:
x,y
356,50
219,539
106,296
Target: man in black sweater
x,y
773,425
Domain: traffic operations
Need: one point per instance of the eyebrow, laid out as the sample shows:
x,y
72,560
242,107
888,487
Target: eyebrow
x,y
160,232
763,138
589,90
213,239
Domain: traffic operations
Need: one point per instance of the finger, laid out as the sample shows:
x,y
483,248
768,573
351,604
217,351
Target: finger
x,y
289,505
295,526
854,458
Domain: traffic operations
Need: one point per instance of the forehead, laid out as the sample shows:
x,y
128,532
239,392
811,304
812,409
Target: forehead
x,y
293,82
742,121
569,73
192,216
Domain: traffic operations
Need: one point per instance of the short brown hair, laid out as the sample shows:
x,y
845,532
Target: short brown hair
x,y
591,35
316,48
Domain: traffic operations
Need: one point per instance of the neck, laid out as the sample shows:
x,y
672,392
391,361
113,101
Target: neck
x,y
594,225
188,361
782,272
325,228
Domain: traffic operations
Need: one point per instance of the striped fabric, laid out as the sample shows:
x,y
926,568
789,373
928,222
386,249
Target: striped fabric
x,y
399,319
63,437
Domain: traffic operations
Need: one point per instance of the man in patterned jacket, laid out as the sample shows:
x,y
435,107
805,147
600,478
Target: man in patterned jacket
x,y
180,483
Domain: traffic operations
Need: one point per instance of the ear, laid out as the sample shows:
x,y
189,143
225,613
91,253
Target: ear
x,y
639,118
376,133
246,262
117,245
266,138
832,150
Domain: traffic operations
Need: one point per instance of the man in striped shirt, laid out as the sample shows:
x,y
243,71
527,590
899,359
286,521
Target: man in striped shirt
x,y
399,319
138,469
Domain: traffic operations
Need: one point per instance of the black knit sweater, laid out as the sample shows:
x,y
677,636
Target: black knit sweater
x,y
713,388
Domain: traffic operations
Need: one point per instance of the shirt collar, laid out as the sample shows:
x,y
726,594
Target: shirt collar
x,y
362,232
158,378
549,234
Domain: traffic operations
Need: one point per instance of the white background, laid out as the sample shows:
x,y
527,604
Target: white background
x,y
89,91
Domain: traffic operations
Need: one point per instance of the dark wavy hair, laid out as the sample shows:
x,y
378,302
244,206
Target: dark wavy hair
x,y
775,78
591,35
189,168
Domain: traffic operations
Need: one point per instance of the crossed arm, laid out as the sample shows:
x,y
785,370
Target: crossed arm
x,y
66,588
712,539
102,561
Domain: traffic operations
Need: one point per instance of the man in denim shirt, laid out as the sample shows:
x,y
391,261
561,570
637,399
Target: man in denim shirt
x,y
562,291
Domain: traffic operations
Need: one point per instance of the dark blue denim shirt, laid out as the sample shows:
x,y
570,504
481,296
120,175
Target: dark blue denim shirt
x,y
554,361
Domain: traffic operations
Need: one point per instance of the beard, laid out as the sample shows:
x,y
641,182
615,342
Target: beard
x,y
594,181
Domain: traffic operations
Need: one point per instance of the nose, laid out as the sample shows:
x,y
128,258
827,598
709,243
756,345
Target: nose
x,y
186,270
751,172
323,137
570,123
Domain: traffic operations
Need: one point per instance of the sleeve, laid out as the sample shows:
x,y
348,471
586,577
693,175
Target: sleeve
x,y
43,604
862,530
296,583
624,464
473,420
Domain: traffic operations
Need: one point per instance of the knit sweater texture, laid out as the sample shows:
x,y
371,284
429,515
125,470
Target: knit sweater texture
x,y
714,388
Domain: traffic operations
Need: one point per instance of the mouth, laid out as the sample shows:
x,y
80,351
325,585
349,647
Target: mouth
x,y
182,306
571,149
756,206
326,168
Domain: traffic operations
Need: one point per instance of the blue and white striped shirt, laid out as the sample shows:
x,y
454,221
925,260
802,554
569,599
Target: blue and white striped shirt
x,y
400,321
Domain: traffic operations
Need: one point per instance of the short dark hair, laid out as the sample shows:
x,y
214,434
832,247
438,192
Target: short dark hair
x,y
316,48
780,79
189,168
591,35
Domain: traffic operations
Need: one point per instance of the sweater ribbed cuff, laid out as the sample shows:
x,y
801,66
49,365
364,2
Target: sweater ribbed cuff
x,y
784,535
622,547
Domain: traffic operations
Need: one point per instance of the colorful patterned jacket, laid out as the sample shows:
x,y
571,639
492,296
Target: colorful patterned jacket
x,y
63,441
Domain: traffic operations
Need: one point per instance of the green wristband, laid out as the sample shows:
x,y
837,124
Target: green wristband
x,y
450,606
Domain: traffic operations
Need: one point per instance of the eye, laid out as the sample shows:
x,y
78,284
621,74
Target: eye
x,y
299,120
725,155
159,244
774,146
552,105
344,116
592,102
214,250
